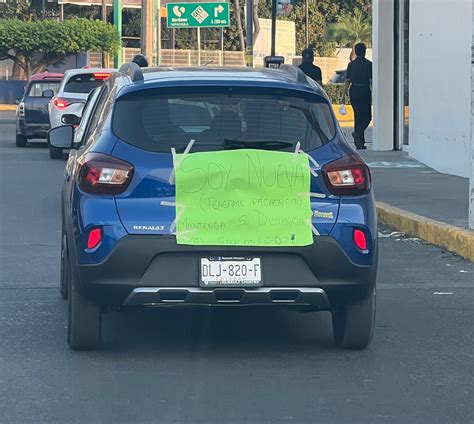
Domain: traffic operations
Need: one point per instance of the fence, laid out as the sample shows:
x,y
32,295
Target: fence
x,y
182,58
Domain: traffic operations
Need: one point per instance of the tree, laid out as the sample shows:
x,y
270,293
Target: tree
x,y
352,29
351,6
34,45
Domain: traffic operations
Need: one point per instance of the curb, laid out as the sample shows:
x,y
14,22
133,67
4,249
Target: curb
x,y
450,237
7,107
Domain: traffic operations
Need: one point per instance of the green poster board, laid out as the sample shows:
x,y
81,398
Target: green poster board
x,y
243,198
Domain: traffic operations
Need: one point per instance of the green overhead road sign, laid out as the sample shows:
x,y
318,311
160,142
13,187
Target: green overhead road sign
x,y
194,15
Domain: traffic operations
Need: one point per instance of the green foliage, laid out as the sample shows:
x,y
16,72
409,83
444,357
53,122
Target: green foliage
x,y
351,29
334,91
17,9
352,6
34,45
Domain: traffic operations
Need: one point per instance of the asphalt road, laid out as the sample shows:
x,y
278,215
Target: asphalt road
x,y
225,366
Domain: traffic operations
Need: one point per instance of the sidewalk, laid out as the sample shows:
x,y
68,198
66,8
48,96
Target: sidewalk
x,y
405,183
420,201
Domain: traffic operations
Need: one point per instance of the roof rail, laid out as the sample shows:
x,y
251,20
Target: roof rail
x,y
295,73
133,71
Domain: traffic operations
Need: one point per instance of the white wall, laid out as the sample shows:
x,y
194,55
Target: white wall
x,y
440,78
383,51
471,183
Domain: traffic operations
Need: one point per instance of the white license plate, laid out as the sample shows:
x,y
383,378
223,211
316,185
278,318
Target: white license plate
x,y
230,272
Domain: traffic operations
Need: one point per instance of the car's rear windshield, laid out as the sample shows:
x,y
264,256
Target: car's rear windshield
x,y
223,118
84,83
36,88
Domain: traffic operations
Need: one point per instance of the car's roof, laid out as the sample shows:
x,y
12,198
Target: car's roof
x,y
264,77
46,75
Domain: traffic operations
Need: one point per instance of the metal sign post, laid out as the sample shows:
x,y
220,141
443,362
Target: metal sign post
x,y
274,18
118,28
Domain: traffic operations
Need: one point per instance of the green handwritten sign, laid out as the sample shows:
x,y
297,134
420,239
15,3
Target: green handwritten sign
x,y
243,198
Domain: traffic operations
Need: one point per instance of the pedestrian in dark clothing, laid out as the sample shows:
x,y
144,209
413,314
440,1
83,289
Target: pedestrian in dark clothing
x,y
308,68
359,78
140,60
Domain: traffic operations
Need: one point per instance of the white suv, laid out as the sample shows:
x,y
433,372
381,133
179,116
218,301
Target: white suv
x,y
73,92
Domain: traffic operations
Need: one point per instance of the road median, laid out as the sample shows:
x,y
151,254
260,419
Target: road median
x,y
452,238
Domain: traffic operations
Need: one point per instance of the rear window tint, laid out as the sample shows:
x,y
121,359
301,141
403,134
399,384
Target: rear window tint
x,y
224,120
84,83
36,88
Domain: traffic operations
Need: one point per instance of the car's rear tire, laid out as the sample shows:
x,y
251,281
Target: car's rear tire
x,y
353,324
64,273
55,153
84,318
21,140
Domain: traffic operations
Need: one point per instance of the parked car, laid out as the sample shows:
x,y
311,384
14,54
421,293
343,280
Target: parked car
x,y
118,245
72,95
80,122
339,77
32,120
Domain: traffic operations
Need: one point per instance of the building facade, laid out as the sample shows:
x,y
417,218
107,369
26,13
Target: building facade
x,y
422,81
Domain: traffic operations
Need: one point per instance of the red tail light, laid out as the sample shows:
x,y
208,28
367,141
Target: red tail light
x,y
360,240
61,103
102,174
95,237
101,76
347,176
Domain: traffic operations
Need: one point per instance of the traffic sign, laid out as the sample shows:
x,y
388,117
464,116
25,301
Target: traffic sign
x,y
194,15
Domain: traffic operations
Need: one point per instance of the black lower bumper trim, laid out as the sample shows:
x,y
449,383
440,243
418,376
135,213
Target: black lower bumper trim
x,y
154,296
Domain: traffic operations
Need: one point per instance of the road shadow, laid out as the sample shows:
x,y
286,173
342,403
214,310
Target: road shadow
x,y
235,329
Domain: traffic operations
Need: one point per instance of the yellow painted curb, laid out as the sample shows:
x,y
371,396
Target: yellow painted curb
x,y
7,107
345,121
450,237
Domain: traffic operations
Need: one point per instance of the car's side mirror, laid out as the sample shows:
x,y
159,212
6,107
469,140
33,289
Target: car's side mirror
x,y
70,119
49,94
17,101
61,137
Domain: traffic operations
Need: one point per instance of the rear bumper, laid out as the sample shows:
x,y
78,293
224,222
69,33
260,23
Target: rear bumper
x,y
140,269
281,296
33,130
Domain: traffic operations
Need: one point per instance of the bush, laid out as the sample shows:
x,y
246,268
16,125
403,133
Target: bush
x,y
334,91
34,45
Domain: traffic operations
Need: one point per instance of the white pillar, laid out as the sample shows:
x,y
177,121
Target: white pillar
x,y
383,74
471,181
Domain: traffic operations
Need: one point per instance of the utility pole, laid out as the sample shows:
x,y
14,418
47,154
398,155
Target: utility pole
x,y
143,32
104,19
104,10
157,13
146,33
249,33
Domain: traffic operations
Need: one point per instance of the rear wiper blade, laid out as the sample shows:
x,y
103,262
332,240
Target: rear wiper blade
x,y
255,144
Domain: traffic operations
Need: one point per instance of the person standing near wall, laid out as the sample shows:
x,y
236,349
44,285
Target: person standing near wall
x,y
309,68
359,78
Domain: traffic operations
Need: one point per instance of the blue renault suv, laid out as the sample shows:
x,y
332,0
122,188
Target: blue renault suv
x,y
120,244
